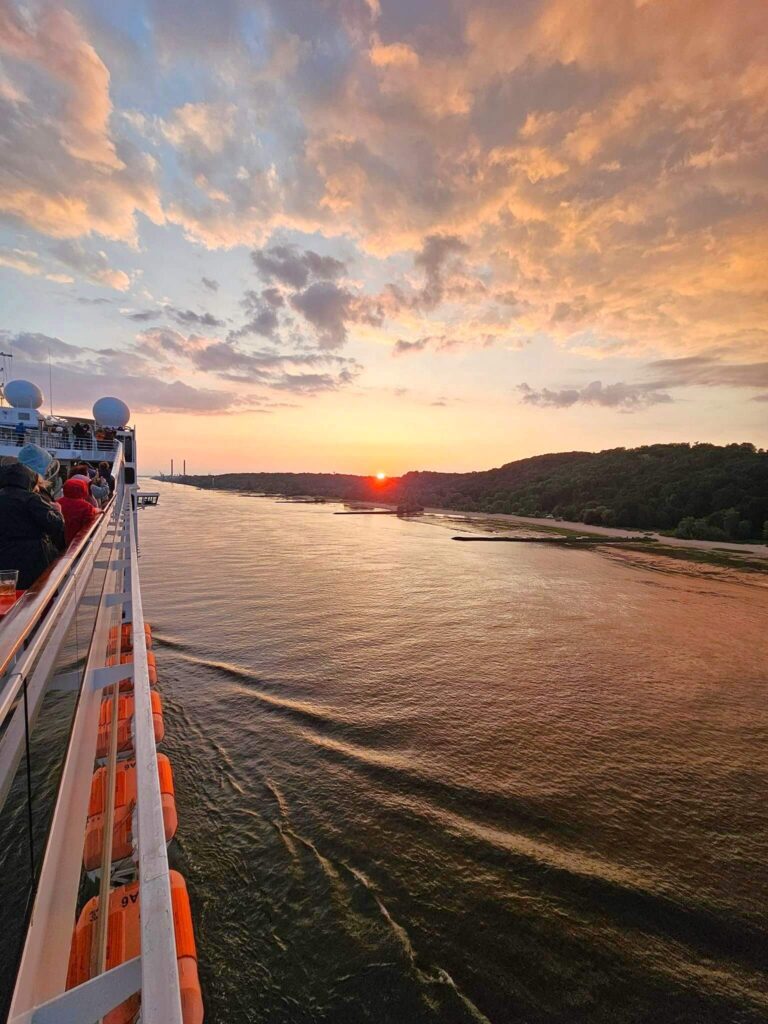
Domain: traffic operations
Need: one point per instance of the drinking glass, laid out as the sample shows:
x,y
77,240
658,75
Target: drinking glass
x,y
8,580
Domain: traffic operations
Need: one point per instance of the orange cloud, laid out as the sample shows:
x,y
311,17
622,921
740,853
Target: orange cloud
x,y
63,173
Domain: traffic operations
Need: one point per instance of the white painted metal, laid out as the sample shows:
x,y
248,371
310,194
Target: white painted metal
x,y
111,674
39,997
64,447
90,1001
43,970
100,677
109,802
160,995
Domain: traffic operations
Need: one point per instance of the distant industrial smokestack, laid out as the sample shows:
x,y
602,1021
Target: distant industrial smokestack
x,y
171,469
185,468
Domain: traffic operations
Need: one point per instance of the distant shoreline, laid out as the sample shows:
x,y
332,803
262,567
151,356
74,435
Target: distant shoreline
x,y
699,556
716,494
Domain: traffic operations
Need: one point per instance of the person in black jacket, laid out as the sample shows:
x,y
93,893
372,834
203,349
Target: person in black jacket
x,y
31,524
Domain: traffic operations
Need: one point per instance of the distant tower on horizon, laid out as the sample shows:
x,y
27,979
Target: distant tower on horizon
x,y
171,469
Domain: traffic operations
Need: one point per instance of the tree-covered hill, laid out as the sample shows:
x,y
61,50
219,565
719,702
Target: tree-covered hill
x,y
700,490
657,486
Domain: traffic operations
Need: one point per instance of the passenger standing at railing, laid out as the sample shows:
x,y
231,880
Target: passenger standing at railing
x,y
104,471
31,524
82,471
82,433
100,490
77,510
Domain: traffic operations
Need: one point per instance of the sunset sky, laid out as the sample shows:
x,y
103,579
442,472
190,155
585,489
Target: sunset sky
x,y
365,235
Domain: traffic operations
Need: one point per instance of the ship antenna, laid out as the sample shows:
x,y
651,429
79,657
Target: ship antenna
x,y
50,379
7,357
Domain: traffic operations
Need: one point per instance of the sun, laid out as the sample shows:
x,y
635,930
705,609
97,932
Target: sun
x,y
381,476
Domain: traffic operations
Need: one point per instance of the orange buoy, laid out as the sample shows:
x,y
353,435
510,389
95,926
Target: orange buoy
x,y
125,722
127,659
124,943
125,802
126,637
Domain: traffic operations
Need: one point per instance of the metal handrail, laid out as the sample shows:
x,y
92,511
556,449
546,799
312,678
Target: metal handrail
x,y
160,992
17,626
43,966
52,440
40,996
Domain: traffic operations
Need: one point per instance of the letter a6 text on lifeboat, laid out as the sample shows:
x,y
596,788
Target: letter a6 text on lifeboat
x,y
124,943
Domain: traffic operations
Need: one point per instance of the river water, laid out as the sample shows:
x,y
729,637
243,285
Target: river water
x,y
422,781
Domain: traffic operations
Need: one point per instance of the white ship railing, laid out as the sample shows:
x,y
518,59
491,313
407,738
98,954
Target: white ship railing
x,y
30,641
66,446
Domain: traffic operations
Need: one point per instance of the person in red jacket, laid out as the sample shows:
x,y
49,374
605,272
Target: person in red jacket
x,y
77,510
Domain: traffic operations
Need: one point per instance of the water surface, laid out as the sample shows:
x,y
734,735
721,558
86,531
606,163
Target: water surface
x,y
422,781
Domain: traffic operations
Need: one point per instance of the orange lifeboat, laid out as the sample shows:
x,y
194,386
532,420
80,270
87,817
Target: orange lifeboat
x,y
124,943
125,801
127,659
125,722
126,637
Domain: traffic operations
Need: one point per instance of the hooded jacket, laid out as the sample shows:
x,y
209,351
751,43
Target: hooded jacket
x,y
31,525
76,508
86,476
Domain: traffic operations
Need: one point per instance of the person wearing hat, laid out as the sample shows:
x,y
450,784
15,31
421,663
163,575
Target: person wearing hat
x,y
31,525
43,463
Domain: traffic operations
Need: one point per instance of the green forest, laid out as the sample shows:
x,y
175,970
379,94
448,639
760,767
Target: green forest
x,y
700,491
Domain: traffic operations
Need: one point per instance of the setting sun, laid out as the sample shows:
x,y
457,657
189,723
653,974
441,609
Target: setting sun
x,y
381,476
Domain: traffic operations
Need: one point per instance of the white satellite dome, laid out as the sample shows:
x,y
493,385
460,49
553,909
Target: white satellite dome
x,y
23,394
111,412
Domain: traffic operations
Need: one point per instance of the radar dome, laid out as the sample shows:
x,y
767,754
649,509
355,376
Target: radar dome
x,y
111,412
23,394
